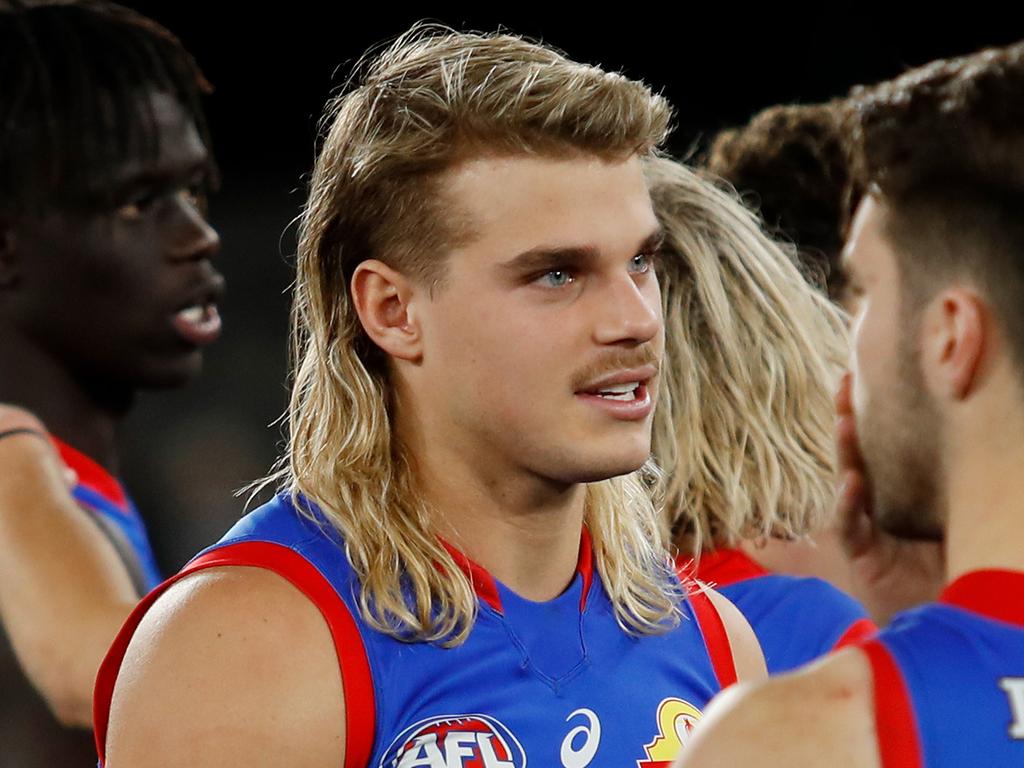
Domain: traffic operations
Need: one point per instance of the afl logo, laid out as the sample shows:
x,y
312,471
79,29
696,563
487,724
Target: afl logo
x,y
455,741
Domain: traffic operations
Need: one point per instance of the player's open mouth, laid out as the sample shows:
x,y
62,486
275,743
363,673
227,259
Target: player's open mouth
x,y
199,324
624,395
622,392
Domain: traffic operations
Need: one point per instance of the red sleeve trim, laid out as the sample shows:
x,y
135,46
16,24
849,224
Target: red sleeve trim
x,y
356,678
856,633
716,639
895,724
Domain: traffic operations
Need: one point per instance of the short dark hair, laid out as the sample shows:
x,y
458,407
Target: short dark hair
x,y
791,157
71,74
943,146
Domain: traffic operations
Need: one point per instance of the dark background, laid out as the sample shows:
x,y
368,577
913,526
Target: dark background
x,y
186,453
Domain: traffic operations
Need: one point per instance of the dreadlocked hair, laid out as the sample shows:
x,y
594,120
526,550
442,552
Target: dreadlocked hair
x,y
71,74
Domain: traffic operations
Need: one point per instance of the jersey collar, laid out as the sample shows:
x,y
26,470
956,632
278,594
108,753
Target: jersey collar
x,y
995,593
487,589
721,567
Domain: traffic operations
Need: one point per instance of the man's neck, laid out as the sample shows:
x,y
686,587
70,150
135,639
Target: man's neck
x,y
523,529
33,379
986,505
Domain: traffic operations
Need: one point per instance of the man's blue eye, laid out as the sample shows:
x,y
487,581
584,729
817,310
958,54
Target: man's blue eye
x,y
557,278
640,263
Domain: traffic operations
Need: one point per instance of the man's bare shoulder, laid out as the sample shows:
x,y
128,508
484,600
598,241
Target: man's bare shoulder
x,y
746,650
821,714
230,666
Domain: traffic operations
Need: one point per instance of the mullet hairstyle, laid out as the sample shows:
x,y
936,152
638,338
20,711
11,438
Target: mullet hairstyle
x,y
414,110
744,426
73,73
943,147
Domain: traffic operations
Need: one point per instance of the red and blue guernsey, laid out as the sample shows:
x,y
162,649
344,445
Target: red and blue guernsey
x,y
795,619
949,677
30,735
104,498
555,683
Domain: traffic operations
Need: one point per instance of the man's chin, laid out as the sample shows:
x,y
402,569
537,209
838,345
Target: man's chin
x,y
173,373
605,468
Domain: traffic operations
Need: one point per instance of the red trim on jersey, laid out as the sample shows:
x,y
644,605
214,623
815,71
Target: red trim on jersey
x,y
716,639
356,678
92,475
856,633
487,589
998,594
585,566
721,567
483,583
899,745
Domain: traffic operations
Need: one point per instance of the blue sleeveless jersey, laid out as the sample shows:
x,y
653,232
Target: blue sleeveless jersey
x,y
796,619
105,499
949,677
556,683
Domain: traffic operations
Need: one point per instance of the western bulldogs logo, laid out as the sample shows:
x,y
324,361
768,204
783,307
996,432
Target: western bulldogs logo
x,y
676,719
455,741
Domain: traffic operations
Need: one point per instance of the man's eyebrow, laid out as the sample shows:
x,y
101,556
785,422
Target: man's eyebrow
x,y
544,257
653,241
165,175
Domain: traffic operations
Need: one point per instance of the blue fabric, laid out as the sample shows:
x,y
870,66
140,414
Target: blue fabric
x,y
954,663
129,523
796,619
544,681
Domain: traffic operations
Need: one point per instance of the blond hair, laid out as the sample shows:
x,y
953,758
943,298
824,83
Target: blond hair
x,y
744,427
431,99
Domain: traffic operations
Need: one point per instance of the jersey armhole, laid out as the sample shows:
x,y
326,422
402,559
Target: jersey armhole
x,y
895,724
858,632
356,678
716,639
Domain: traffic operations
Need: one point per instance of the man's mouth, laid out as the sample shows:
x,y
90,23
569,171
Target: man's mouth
x,y
624,395
623,392
198,324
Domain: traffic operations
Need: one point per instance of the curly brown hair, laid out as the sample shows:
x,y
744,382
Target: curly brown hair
x,y
942,146
952,119
791,157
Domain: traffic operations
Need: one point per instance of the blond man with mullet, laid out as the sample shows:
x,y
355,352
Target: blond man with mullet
x,y
744,430
463,567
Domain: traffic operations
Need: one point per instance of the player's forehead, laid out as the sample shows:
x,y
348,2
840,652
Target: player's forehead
x,y
166,144
515,204
868,247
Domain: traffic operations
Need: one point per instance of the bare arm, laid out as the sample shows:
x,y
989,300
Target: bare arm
x,y
746,650
819,716
232,666
63,590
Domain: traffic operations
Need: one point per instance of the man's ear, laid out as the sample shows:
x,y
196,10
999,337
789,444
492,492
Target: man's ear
x,y
953,346
382,297
9,262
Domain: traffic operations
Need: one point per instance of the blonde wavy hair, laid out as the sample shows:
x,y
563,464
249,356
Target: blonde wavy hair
x,y
744,426
431,99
